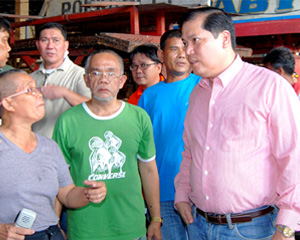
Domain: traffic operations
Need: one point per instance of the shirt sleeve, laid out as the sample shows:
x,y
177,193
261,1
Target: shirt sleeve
x,y
284,134
64,176
60,138
146,151
182,180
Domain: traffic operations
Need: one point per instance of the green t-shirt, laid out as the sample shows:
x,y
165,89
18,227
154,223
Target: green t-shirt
x,y
107,149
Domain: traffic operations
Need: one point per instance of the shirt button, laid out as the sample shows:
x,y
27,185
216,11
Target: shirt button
x,y
213,101
207,148
207,197
211,125
206,172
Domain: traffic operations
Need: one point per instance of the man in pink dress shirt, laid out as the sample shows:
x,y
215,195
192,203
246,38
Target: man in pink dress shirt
x,y
239,177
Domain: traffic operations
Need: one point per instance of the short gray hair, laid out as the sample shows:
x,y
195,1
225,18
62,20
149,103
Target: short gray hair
x,y
8,85
88,61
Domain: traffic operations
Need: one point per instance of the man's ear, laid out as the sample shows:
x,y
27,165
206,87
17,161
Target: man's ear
x,y
7,104
280,71
160,54
123,79
37,43
160,67
226,38
87,82
67,45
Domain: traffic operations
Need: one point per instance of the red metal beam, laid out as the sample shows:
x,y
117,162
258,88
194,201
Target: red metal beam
x,y
26,53
272,27
134,21
75,17
112,3
12,37
30,62
160,22
81,54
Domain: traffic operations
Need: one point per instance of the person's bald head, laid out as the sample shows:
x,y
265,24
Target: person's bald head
x,y
9,82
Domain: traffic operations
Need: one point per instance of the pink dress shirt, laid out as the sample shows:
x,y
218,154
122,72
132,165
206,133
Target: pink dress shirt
x,y
242,144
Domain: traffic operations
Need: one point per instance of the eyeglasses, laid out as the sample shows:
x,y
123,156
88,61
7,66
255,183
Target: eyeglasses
x,y
33,91
143,66
96,76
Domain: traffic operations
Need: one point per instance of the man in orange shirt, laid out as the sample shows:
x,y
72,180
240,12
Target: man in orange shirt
x,y
145,68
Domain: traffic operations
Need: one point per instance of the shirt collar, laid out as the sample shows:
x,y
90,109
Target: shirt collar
x,y
228,75
139,91
62,67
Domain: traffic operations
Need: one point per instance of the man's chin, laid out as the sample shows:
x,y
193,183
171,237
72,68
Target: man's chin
x,y
103,100
2,64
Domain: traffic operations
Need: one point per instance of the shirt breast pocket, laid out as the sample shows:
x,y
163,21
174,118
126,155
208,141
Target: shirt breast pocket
x,y
241,128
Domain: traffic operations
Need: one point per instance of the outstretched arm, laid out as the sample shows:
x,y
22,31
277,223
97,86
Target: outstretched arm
x,y
76,197
150,182
54,92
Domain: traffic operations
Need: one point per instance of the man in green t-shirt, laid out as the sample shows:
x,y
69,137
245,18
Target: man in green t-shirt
x,y
108,140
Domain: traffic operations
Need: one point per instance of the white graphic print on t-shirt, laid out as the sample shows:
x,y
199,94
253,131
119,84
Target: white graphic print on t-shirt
x,y
106,160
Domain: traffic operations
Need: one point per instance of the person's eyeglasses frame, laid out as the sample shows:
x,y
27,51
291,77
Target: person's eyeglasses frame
x,y
143,66
101,74
33,91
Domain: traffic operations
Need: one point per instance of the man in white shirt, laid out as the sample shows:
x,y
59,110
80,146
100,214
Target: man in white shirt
x,y
62,80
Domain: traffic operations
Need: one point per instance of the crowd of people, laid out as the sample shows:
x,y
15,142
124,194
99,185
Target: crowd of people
x,y
210,150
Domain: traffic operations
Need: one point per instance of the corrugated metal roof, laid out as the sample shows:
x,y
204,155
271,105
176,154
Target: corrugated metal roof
x,y
126,42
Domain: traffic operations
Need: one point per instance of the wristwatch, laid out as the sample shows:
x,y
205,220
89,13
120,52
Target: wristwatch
x,y
286,231
156,219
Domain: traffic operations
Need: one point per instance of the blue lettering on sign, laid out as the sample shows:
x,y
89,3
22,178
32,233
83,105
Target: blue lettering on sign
x,y
250,6
226,5
285,5
253,6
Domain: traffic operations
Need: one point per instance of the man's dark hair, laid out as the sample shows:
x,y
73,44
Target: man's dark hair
x,y
216,21
174,33
281,57
50,25
4,25
149,50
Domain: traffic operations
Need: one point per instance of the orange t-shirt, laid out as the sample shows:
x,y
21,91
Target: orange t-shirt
x,y
135,97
